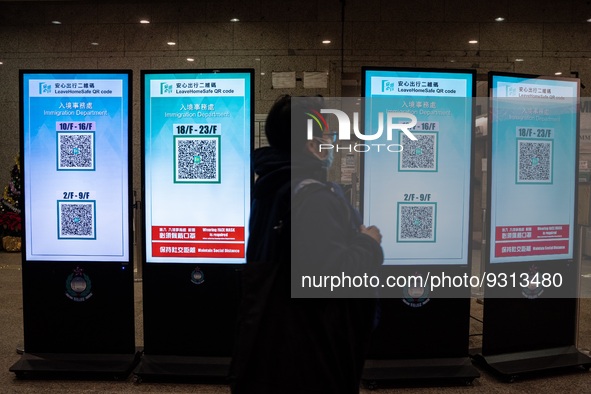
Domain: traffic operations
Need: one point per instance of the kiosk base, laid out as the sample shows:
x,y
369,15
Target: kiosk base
x,y
75,366
412,371
509,366
164,367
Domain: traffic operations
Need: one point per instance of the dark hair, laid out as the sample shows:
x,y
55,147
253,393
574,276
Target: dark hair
x,y
286,112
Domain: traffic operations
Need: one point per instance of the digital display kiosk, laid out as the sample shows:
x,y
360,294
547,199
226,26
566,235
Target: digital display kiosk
x,y
419,196
78,295
197,138
532,188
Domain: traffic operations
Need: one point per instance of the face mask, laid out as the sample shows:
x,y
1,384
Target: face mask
x,y
327,161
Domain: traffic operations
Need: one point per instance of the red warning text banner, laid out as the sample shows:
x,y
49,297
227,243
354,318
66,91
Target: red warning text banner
x,y
536,240
514,233
197,233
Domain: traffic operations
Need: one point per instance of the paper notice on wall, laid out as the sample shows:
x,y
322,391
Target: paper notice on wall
x,y
284,80
315,80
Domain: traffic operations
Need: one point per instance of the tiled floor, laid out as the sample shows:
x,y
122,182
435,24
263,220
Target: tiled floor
x,y
11,333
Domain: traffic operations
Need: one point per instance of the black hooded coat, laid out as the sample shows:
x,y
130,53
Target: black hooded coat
x,y
293,345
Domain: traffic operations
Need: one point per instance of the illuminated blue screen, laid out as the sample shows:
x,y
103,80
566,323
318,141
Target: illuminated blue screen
x,y
420,197
76,166
197,133
533,168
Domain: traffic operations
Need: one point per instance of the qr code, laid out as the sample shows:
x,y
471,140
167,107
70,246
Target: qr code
x,y
197,160
535,161
416,222
76,220
75,151
419,155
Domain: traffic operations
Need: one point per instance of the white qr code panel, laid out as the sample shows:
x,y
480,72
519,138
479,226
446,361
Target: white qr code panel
x,y
76,220
534,161
75,151
416,222
197,160
419,155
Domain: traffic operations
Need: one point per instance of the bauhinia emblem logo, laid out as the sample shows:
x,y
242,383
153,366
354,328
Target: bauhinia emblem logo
x,y
344,133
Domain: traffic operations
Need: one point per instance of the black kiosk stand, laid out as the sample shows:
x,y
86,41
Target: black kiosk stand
x,y
196,145
530,326
77,273
412,197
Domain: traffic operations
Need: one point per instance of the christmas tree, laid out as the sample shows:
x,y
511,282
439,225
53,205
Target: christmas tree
x,y
10,203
